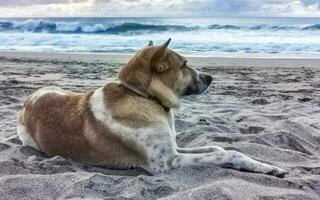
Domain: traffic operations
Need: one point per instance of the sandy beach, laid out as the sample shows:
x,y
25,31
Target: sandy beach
x,y
268,109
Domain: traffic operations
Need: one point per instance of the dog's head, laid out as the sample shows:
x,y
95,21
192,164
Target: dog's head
x,y
162,73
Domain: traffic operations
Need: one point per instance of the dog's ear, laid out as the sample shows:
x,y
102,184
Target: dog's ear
x,y
158,56
150,43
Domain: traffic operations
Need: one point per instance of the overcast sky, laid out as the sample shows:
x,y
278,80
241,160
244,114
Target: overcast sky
x,y
122,8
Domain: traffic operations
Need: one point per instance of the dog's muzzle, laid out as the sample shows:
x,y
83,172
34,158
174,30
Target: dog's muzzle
x,y
198,84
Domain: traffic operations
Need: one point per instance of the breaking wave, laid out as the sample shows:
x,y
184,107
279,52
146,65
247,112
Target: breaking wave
x,y
47,26
72,27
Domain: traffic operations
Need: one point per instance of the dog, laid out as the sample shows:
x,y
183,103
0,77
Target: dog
x,y
128,122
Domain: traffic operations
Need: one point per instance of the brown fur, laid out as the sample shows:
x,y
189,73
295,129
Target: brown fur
x,y
64,125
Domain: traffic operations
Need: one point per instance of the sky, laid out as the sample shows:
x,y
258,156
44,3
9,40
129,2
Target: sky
x,y
162,8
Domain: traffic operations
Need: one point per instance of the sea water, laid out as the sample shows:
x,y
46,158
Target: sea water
x,y
230,37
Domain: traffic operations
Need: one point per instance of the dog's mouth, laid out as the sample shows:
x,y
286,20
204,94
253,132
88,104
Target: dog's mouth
x,y
198,85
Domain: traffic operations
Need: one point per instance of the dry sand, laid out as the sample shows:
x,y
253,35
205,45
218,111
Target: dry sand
x,y
266,108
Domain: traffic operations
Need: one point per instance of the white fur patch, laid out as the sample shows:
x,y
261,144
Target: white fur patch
x,y
25,137
47,90
100,112
97,105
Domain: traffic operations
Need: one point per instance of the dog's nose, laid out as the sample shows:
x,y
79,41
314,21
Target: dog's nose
x,y
206,78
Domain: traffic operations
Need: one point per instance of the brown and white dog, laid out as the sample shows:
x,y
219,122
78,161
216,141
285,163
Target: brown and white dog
x,y
129,122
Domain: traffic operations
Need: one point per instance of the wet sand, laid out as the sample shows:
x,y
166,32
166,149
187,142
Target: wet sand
x,y
268,109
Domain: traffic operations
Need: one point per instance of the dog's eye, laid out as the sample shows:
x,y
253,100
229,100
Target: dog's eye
x,y
184,64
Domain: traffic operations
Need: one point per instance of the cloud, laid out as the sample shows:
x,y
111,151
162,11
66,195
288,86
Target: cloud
x,y
292,7
47,8
258,7
311,2
234,8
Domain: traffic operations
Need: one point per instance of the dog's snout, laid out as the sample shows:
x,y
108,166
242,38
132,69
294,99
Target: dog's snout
x,y
206,78
199,84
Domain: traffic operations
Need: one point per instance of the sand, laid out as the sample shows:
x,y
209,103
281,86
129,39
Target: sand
x,y
266,108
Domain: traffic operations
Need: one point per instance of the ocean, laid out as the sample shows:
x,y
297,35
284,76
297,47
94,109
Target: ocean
x,y
223,37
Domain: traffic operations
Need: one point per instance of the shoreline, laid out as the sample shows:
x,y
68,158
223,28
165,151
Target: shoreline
x,y
193,60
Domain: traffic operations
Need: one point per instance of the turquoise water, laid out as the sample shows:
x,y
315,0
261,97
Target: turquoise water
x,y
231,37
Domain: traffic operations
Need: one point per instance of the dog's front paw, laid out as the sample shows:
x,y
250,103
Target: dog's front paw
x,y
278,172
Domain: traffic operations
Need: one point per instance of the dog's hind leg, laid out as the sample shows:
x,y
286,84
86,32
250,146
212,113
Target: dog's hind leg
x,y
205,149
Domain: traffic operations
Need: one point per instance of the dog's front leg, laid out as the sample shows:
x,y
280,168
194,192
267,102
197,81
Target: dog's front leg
x,y
228,158
161,155
167,158
205,149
